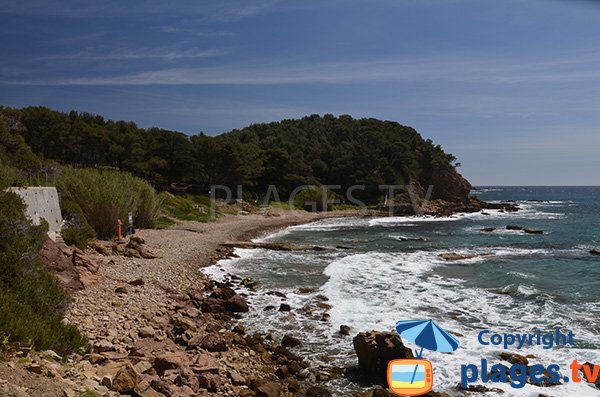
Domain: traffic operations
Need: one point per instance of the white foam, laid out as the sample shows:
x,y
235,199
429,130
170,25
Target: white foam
x,y
373,291
398,220
220,269
522,275
331,224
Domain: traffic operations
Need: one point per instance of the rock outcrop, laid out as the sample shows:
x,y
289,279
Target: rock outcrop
x,y
375,349
73,268
135,247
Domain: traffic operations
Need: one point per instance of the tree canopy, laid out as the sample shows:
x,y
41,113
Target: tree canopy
x,y
314,150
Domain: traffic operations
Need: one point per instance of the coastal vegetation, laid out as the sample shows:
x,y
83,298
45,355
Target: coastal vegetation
x,y
31,300
105,169
315,150
105,195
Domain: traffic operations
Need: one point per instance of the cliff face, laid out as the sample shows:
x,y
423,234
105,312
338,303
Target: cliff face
x,y
450,186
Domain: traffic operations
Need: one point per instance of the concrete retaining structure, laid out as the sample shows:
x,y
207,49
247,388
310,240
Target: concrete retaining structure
x,y
42,202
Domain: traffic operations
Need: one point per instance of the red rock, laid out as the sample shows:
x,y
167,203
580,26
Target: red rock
x,y
206,363
269,389
236,379
167,361
222,292
137,282
187,378
196,341
83,260
213,343
208,381
161,386
56,259
212,305
237,304
126,379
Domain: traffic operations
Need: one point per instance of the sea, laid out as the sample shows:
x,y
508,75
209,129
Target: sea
x,y
377,277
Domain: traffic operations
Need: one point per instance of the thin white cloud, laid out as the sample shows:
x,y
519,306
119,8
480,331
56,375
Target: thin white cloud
x,y
467,69
541,140
148,53
195,31
225,11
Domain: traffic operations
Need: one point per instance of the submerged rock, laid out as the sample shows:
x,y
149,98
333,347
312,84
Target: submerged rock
x,y
514,227
453,256
533,231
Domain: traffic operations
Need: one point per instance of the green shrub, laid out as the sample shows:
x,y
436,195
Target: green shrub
x,y
31,300
76,230
184,208
164,222
313,198
107,195
10,176
284,205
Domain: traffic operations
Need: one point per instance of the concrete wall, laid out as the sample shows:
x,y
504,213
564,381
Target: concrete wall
x,y
42,202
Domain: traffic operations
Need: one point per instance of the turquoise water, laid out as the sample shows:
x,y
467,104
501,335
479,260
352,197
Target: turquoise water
x,y
531,282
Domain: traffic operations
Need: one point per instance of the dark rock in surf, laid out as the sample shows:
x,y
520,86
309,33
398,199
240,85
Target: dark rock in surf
x,y
375,349
290,341
453,256
236,304
533,231
317,391
479,389
345,329
514,227
514,358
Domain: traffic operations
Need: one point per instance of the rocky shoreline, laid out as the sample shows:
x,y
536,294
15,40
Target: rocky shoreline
x,y
159,327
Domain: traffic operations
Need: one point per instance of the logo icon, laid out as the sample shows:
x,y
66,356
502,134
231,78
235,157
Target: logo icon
x,y
414,377
410,377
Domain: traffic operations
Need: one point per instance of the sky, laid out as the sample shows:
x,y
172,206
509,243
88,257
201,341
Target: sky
x,y
510,87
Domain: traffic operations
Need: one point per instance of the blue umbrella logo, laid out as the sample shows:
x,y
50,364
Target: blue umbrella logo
x,y
427,335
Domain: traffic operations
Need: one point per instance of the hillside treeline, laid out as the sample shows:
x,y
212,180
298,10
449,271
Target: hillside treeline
x,y
314,150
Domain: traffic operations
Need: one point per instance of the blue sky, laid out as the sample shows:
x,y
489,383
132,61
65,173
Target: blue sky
x,y
511,87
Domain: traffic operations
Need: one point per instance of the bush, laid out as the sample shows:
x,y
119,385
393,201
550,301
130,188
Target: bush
x,y
184,208
31,300
107,195
10,176
312,199
76,230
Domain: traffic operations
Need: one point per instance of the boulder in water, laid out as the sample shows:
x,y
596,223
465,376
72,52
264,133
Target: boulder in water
x,y
375,349
453,256
514,227
533,231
